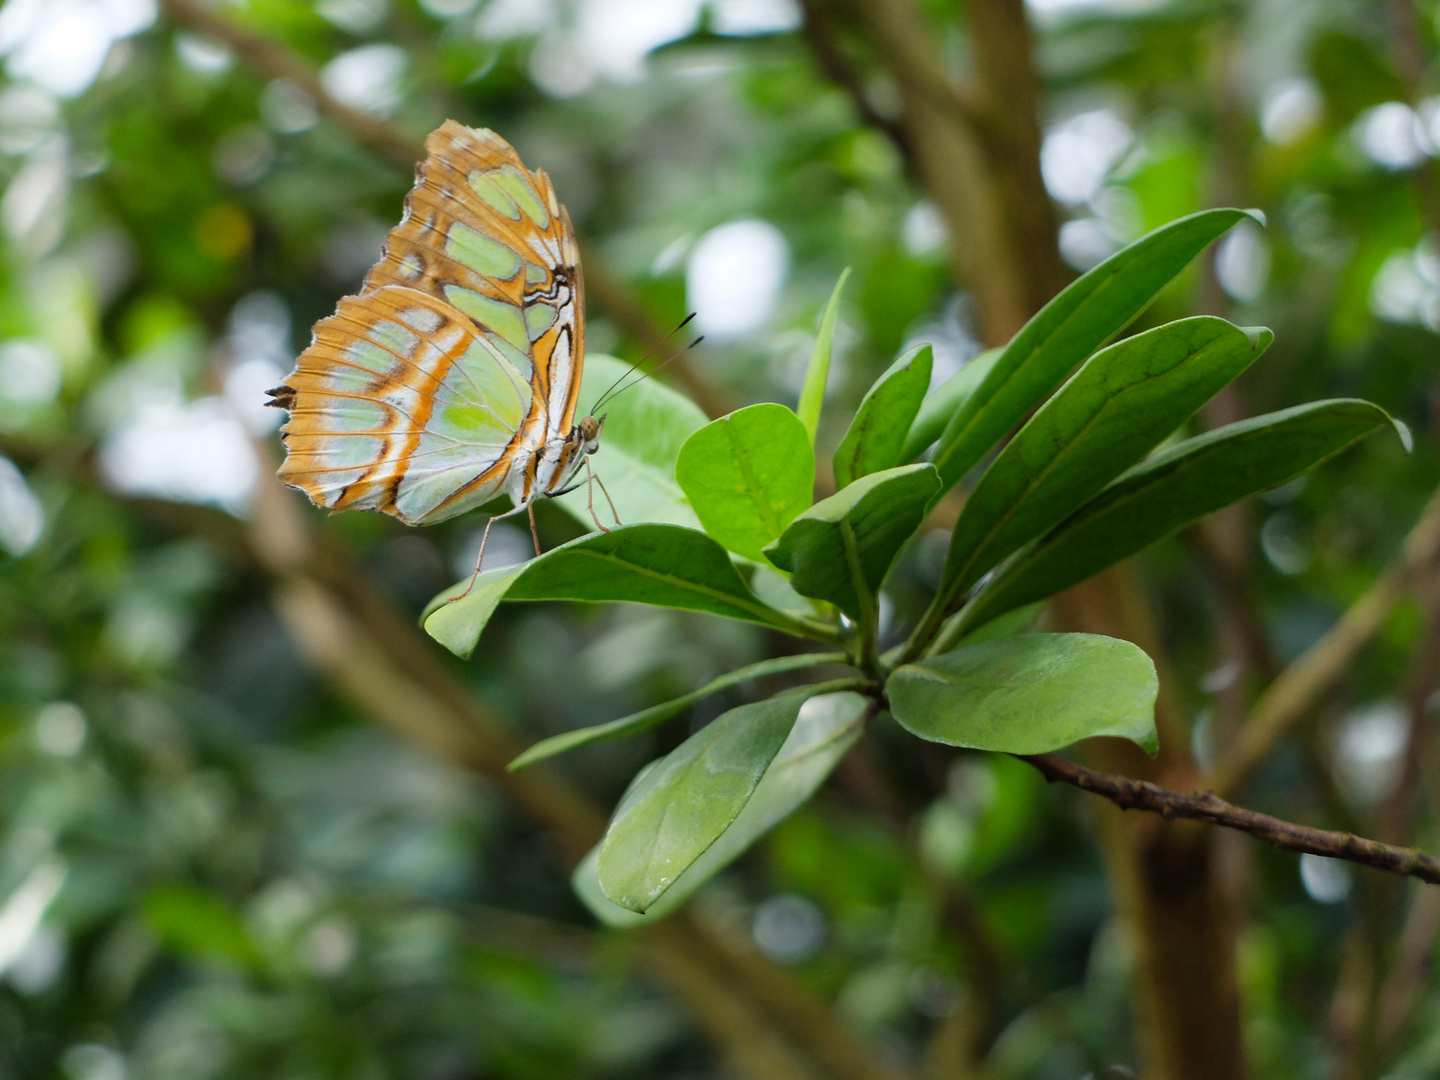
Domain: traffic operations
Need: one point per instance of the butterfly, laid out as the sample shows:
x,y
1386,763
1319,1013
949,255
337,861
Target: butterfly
x,y
452,377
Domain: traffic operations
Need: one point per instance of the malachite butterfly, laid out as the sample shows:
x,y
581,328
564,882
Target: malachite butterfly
x,y
451,378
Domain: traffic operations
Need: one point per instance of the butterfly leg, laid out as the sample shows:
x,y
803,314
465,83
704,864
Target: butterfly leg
x,y
533,534
480,555
613,512
480,558
590,481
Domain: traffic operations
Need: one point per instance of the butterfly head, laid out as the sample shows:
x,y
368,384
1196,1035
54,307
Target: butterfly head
x,y
590,429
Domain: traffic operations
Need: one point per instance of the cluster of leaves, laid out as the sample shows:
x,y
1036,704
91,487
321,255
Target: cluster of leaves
x,y
1071,493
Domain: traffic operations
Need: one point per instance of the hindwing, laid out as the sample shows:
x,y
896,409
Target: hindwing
x,y
401,404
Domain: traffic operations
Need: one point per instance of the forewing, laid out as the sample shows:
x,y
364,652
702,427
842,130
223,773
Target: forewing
x,y
489,237
400,405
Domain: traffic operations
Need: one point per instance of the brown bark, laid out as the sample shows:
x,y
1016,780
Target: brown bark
x,y
1165,874
952,166
1130,794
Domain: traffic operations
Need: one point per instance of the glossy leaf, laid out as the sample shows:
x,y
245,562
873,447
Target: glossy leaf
x,y
824,731
645,426
944,401
681,805
1119,406
842,547
1067,330
877,434
747,475
1177,486
646,719
817,374
1029,693
664,565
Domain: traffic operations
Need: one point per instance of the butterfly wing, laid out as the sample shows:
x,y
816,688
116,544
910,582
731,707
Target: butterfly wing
x,y
489,237
401,404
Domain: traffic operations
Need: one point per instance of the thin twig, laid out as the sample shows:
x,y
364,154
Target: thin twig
x,y
830,55
1303,685
266,56
1206,806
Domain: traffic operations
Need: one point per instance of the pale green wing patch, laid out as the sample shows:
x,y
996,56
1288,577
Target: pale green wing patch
x,y
482,253
503,319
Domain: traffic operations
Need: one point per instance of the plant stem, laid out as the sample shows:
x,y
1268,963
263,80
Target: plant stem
x,y
1131,794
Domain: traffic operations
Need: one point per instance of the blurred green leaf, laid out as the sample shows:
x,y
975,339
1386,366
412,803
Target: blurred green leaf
x,y
681,805
664,565
1179,485
817,374
825,729
1066,331
877,434
1121,404
747,475
1029,694
644,720
842,547
645,426
199,925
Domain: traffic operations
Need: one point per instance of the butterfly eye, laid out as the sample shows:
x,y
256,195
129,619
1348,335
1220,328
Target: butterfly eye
x,y
589,429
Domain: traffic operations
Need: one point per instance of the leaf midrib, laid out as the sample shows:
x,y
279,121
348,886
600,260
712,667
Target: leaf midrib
x,y
1176,468
1035,352
767,614
1065,453
742,459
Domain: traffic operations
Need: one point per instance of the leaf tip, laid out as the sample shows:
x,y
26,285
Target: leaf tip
x,y
1260,337
1402,429
1256,215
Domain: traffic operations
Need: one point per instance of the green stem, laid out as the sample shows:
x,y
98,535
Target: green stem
x,y
867,626
858,683
952,632
920,637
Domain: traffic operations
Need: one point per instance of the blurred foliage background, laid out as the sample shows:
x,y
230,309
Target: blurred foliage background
x,y
252,824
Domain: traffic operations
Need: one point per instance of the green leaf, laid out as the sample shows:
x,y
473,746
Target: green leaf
x,y
812,394
842,547
942,403
1177,486
1067,330
664,565
1120,405
1029,694
1021,620
747,475
645,426
682,804
457,625
644,720
773,587
825,729
877,434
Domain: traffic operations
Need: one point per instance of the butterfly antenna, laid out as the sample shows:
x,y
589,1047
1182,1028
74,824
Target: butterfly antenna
x,y
656,369
648,354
